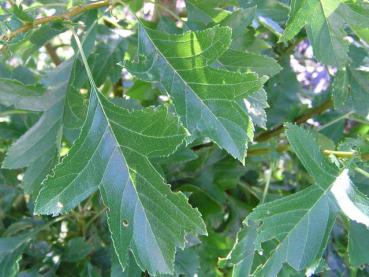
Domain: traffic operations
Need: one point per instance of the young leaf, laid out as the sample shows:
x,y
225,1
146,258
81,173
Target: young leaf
x,y
112,153
325,24
208,100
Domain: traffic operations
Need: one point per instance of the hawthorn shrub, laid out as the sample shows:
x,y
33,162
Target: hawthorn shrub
x,y
184,138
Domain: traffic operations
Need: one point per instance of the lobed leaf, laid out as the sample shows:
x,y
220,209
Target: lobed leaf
x,y
203,96
112,154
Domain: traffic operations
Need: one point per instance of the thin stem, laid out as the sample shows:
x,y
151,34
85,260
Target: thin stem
x,y
345,116
360,120
97,215
169,11
52,53
340,154
268,176
11,112
64,16
362,172
84,59
301,119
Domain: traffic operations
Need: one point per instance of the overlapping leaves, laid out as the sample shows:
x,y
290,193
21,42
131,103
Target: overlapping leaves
x,y
112,154
325,22
209,101
298,225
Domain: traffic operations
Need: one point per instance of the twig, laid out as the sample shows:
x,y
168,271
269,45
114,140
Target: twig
x,y
285,147
64,16
338,119
280,128
361,171
301,119
52,53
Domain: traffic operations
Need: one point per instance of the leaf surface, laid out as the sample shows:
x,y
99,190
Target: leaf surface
x,y
112,154
203,96
299,223
325,22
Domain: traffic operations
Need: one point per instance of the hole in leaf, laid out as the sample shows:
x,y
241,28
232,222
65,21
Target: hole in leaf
x,y
125,222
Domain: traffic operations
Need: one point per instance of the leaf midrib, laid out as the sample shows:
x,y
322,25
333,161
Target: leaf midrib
x,y
193,92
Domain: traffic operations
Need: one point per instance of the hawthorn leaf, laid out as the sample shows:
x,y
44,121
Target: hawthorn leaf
x,y
256,105
131,270
353,203
358,244
11,250
112,154
38,148
351,86
209,101
276,10
242,255
202,14
105,58
21,96
325,22
63,109
250,62
300,223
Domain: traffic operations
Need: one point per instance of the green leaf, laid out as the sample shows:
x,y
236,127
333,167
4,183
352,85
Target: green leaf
x,y
249,62
11,250
325,24
77,249
358,244
202,14
351,86
242,254
104,60
131,270
20,96
276,10
112,154
187,262
21,14
38,148
300,223
283,92
203,96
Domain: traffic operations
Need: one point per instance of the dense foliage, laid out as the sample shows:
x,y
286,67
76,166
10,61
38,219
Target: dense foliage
x,y
184,138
